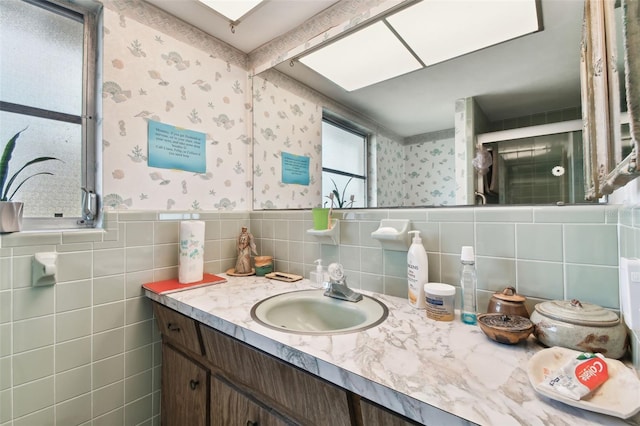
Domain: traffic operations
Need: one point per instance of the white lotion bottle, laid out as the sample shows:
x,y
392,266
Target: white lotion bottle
x,y
417,271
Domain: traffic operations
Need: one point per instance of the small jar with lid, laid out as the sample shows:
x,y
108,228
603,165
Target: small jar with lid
x,y
439,301
508,302
580,326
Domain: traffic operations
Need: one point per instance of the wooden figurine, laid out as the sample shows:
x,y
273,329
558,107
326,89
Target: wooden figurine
x,y
246,246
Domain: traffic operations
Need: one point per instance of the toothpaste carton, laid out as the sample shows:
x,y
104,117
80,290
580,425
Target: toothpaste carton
x,y
579,376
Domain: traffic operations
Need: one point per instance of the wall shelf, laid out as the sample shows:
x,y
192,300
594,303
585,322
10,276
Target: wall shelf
x,y
328,236
393,234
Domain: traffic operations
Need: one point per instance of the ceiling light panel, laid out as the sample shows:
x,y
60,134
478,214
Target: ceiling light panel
x,y
438,30
232,9
368,56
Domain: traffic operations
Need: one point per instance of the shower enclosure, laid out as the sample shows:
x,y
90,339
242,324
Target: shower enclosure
x,y
544,166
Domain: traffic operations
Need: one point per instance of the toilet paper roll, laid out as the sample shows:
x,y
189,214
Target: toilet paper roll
x,y
191,266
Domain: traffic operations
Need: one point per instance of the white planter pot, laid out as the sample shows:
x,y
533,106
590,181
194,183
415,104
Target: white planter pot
x,y
10,216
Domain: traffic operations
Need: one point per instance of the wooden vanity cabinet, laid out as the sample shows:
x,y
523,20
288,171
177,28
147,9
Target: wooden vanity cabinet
x,y
297,394
179,329
212,379
373,415
185,390
230,406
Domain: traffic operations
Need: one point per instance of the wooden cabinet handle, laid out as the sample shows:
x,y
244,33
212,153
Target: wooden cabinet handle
x,y
251,423
193,384
173,327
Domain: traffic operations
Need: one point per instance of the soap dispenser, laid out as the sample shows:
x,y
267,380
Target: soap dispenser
x,y
417,271
318,280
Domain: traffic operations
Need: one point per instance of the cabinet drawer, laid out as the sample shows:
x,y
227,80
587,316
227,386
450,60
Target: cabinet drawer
x,y
178,328
304,397
372,415
230,407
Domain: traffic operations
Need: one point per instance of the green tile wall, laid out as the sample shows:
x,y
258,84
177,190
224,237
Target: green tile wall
x,y
629,243
96,323
86,350
551,252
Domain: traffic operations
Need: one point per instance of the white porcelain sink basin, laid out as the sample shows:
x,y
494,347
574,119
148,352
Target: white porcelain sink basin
x,y
311,312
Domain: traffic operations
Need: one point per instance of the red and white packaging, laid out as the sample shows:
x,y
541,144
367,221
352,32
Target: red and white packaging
x,y
579,377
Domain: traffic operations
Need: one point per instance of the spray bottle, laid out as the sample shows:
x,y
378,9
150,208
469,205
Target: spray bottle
x,y
417,271
468,285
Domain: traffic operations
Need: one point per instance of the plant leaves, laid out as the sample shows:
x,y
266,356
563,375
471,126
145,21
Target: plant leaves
x,y
22,183
34,161
4,164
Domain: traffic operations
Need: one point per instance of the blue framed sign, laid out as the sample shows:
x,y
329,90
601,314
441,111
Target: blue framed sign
x,y
172,147
295,169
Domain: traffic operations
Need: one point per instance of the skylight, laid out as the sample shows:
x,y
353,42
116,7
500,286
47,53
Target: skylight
x,y
232,9
365,57
433,30
440,30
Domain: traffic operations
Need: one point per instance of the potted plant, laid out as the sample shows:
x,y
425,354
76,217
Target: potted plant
x,y
11,211
338,200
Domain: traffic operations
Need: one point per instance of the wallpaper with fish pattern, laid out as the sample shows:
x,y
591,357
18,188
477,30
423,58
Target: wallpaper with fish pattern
x,y
284,122
389,172
430,173
418,174
150,75
157,67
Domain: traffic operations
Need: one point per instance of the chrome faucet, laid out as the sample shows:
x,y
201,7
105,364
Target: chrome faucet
x,y
337,285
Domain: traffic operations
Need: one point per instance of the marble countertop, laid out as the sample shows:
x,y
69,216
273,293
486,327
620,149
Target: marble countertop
x,y
442,373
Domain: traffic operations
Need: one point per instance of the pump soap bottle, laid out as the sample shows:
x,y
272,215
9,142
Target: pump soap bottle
x,y
417,271
318,280
468,284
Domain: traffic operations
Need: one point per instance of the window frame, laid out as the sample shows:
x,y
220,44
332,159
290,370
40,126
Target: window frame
x,y
89,13
348,127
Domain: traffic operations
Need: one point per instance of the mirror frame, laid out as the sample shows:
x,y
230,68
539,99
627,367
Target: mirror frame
x,y
604,171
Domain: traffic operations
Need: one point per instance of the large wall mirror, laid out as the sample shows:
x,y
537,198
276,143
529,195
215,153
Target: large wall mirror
x,y
425,126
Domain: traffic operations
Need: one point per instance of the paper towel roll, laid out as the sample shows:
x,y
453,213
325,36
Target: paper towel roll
x,y
191,266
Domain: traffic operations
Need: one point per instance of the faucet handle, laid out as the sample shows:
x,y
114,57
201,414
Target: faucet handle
x,y
336,272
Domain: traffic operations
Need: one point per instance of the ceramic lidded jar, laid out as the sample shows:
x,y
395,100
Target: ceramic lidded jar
x,y
508,302
580,326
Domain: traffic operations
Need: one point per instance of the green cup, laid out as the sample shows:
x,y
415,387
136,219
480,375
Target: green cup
x,y
320,218
264,265
261,271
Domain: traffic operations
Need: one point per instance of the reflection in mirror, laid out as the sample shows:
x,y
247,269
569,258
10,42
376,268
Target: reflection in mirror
x,y
605,119
631,36
536,170
416,154
625,135
344,166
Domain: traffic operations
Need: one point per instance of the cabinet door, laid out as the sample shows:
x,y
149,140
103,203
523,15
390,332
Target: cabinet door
x,y
178,328
184,390
229,407
372,415
300,395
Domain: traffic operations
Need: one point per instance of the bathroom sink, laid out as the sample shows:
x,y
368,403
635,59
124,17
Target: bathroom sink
x,y
311,312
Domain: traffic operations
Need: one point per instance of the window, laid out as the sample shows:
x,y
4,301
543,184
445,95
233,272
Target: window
x,y
344,165
47,87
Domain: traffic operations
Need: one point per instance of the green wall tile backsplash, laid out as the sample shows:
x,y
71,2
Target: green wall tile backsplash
x,y
539,250
496,240
591,244
539,242
96,318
